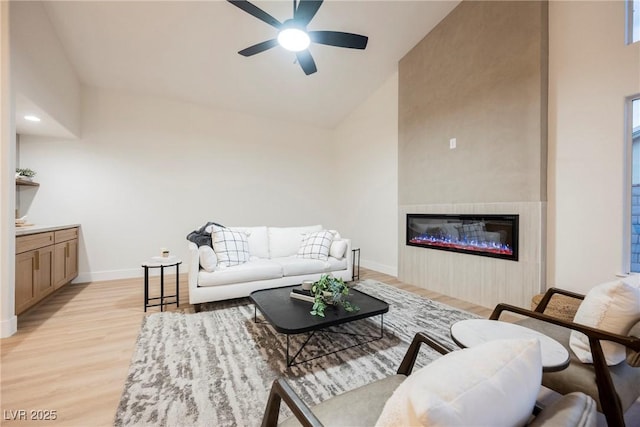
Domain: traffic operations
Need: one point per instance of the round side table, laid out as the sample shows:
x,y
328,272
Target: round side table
x,y
162,299
468,333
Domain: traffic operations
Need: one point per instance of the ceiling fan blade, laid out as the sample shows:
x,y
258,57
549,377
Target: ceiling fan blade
x,y
306,62
260,47
254,10
337,38
306,10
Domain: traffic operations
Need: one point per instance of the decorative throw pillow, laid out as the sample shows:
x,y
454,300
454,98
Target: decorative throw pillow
x,y
491,384
338,248
231,247
316,245
208,258
612,307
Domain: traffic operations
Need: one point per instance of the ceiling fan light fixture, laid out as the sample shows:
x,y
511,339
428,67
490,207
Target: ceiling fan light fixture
x,y
293,39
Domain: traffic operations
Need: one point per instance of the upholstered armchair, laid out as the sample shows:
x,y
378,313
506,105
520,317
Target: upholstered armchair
x,y
364,405
614,388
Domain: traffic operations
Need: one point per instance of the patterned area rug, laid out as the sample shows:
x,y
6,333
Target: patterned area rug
x,y
216,367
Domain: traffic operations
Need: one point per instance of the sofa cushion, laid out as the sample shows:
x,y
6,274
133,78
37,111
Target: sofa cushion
x,y
208,258
257,269
492,384
336,264
232,247
258,239
285,241
338,247
316,245
294,266
613,307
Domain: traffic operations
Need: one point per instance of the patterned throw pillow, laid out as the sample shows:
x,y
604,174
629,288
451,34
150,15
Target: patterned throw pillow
x,y
231,247
316,245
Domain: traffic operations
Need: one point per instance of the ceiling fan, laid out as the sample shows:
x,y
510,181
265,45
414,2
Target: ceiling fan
x,y
293,34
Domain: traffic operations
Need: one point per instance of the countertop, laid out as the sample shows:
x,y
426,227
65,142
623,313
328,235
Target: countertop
x,y
33,229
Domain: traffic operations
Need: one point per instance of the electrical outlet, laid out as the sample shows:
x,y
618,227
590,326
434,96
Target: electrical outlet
x,y
452,143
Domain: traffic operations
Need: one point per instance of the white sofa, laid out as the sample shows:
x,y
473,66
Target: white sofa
x,y
273,263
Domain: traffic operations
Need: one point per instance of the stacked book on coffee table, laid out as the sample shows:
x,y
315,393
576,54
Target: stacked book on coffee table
x,y
302,294
306,295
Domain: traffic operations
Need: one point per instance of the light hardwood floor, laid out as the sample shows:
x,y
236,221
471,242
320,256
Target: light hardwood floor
x,y
71,352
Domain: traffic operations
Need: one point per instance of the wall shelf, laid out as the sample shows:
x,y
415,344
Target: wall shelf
x,y
27,183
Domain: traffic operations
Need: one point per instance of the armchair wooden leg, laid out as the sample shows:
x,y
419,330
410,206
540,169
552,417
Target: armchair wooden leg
x,y
609,399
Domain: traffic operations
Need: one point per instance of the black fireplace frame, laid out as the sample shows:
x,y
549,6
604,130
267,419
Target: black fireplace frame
x,y
469,218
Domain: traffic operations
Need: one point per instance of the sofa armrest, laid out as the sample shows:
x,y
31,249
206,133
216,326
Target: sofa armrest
x,y
194,264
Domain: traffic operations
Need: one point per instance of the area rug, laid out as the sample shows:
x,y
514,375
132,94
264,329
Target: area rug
x,y
216,367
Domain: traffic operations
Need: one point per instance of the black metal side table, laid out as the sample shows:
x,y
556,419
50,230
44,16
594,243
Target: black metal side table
x,y
355,264
162,298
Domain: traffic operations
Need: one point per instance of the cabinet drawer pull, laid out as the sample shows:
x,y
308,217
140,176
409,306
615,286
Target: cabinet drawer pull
x,y
36,255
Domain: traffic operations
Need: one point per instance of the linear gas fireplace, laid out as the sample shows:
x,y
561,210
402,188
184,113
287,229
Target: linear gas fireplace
x,y
494,236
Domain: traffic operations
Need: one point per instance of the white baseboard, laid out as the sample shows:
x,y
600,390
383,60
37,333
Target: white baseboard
x,y
8,327
132,273
386,269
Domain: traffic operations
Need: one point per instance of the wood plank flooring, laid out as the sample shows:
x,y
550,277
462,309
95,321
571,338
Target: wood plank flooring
x,y
71,352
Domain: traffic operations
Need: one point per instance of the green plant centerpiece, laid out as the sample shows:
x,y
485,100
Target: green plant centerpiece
x,y
329,290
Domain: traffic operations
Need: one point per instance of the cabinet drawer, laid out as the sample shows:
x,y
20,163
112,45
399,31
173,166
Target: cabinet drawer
x,y
33,241
64,235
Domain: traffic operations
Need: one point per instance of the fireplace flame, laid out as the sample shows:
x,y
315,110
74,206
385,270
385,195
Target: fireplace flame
x,y
469,245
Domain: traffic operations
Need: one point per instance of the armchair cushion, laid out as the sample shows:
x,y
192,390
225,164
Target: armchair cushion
x,y
358,407
581,376
495,383
574,409
633,357
612,307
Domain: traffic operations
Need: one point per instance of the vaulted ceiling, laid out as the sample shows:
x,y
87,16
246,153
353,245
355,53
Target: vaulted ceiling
x,y
187,50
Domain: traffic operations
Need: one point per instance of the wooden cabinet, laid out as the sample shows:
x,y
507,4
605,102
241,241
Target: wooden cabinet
x,y
65,257
44,262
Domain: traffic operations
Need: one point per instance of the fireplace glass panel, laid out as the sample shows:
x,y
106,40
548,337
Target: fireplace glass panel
x,y
494,236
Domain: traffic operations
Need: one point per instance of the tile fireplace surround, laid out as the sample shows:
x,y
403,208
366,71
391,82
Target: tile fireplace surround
x,y
483,280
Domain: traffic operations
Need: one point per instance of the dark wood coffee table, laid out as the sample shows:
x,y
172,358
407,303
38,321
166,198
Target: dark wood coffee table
x,y
290,316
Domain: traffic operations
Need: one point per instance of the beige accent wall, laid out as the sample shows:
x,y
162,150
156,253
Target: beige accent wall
x,y
481,77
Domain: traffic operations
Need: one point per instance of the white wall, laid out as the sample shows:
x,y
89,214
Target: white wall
x,y
591,71
367,155
8,320
41,71
147,171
